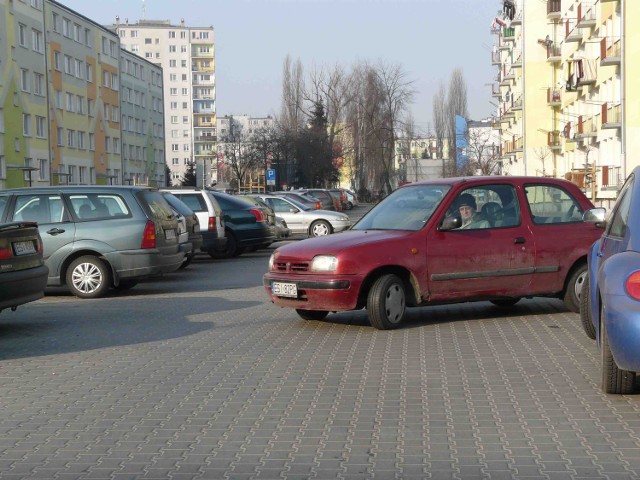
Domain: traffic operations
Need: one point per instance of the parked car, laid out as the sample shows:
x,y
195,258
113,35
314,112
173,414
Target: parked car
x,y
610,303
279,224
191,226
245,224
410,250
98,237
23,274
303,220
306,200
325,198
210,216
282,229
352,199
341,195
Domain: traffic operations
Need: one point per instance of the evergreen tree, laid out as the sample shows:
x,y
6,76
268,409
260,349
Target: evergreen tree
x,y
189,177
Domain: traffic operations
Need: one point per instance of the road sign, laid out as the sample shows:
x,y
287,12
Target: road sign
x,y
271,176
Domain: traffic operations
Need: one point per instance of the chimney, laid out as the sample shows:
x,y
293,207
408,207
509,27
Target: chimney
x,y
117,20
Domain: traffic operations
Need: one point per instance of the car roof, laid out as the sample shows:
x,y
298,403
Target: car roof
x,y
493,178
79,188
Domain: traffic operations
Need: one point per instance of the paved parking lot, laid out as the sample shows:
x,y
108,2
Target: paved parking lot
x,y
197,376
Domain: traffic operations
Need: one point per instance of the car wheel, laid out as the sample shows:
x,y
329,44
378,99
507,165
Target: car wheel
x,y
585,310
574,288
231,248
88,277
614,379
386,302
187,260
349,205
311,314
126,284
320,228
505,302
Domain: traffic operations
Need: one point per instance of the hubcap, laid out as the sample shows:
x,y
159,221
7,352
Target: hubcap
x,y
87,278
320,230
394,303
578,285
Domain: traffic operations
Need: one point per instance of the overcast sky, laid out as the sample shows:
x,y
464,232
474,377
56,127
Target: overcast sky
x,y
428,38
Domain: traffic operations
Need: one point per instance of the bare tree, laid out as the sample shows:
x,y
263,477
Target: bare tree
x,y
542,153
291,113
484,154
410,162
456,105
239,154
440,122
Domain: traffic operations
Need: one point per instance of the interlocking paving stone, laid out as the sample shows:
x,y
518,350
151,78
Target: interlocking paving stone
x,y
217,383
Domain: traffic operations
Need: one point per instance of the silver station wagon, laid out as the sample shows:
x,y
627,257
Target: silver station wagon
x,y
99,237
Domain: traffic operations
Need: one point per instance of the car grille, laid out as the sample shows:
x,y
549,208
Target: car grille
x,y
291,266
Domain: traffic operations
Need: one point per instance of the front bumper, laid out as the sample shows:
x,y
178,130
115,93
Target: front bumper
x,y
317,292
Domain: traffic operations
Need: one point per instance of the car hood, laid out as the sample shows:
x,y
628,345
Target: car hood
x,y
338,242
328,214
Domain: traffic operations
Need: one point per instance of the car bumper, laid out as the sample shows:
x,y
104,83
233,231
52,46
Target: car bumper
x,y
23,286
316,292
622,317
340,226
145,263
211,241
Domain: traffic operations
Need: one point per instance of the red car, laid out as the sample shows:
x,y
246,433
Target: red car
x,y
445,241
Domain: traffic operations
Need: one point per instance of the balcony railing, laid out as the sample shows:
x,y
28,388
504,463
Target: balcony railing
x,y
572,33
519,143
508,33
586,127
495,90
610,51
611,178
554,53
586,16
553,140
611,116
495,58
554,97
554,8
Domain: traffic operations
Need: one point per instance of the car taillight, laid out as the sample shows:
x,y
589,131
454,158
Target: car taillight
x,y
212,223
149,235
633,285
258,214
318,206
5,253
39,246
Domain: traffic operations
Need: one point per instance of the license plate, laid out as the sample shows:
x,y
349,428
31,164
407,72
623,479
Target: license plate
x,y
284,289
170,234
23,248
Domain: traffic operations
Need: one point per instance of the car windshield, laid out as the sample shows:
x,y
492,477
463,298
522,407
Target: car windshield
x,y
301,206
408,208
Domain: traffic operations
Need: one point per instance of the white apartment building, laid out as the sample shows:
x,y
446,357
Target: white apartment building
x,y
186,55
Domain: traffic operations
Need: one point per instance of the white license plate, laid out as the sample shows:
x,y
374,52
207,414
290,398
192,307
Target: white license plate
x,y
284,289
24,248
170,234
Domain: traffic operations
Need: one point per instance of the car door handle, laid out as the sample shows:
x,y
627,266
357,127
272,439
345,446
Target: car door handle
x,y
55,231
519,240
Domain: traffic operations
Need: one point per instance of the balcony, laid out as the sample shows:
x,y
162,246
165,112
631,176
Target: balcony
x,y
504,44
205,138
554,9
554,53
586,16
495,58
611,178
610,51
554,97
517,63
517,104
517,20
573,34
519,144
495,90
611,116
586,128
509,33
553,140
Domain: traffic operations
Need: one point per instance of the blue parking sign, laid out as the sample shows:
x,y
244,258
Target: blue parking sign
x,y
271,176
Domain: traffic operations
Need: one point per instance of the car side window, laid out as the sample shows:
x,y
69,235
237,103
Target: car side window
x,y
194,201
3,204
98,206
41,208
550,204
486,206
618,224
279,205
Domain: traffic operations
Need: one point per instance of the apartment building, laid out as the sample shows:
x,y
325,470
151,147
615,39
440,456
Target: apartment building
x,y
186,55
567,105
61,105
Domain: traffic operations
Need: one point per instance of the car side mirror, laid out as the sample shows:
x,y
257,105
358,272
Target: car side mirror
x,y
293,210
596,216
450,223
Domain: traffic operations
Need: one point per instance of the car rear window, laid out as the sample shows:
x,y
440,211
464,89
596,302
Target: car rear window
x,y
158,206
227,202
193,200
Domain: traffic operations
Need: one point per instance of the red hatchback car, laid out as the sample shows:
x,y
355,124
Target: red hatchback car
x,y
444,241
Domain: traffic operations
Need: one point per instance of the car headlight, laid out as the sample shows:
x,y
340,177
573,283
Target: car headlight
x,y
271,260
324,263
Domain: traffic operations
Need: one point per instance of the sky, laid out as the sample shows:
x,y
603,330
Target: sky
x,y
427,38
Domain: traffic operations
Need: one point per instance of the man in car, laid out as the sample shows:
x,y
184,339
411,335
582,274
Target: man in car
x,y
470,218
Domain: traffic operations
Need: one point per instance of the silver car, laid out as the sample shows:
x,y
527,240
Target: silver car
x,y
304,220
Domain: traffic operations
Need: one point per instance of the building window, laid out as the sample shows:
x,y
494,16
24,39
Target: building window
x,y
66,27
22,35
26,124
60,136
81,140
92,142
147,41
36,39
40,127
24,80
43,169
56,61
3,167
82,175
71,138
72,174
55,21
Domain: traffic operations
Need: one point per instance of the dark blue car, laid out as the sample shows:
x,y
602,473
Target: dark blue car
x,y
610,301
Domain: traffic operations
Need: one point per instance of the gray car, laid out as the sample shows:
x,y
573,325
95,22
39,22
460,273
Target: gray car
x,y
99,237
303,220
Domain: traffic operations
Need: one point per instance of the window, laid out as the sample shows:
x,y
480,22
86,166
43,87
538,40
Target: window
x,y
55,21
172,48
60,136
174,119
173,91
80,104
26,124
66,27
115,82
82,174
87,37
56,61
89,73
79,68
172,63
70,102
175,161
113,48
134,34
175,147
3,167
185,119
77,32
617,225
92,142
185,147
183,63
107,144
185,91
22,35
116,145
115,114
106,79
81,140
43,169
71,138
40,127
147,41
72,174
68,65
1,119
90,107
38,84
36,41
24,80
550,204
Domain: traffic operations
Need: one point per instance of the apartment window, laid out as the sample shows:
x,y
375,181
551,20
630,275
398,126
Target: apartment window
x,y
87,37
37,4
175,147
28,162
81,140
40,127
36,41
174,119
183,34
106,79
113,48
38,84
106,111
186,147
105,45
82,174
185,133
134,34
173,91
92,141
148,55
22,35
185,91
123,33
89,73
72,174
185,104
24,80
183,63
172,63
107,144
43,169
80,104
79,68
173,77
55,21
115,114
116,145
56,61
68,65
175,161
135,48
185,119
174,105
174,133
115,83
172,49
147,41
70,102
183,48
184,77
77,29
90,107
60,136
26,124
71,138
66,27
3,167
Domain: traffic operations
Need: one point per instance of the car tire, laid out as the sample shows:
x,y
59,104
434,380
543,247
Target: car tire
x,y
187,260
127,284
311,314
349,205
88,277
231,248
505,302
585,310
573,291
614,379
320,228
386,302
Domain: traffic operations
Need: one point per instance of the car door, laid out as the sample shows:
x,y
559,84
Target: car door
x,y
291,214
495,259
54,223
